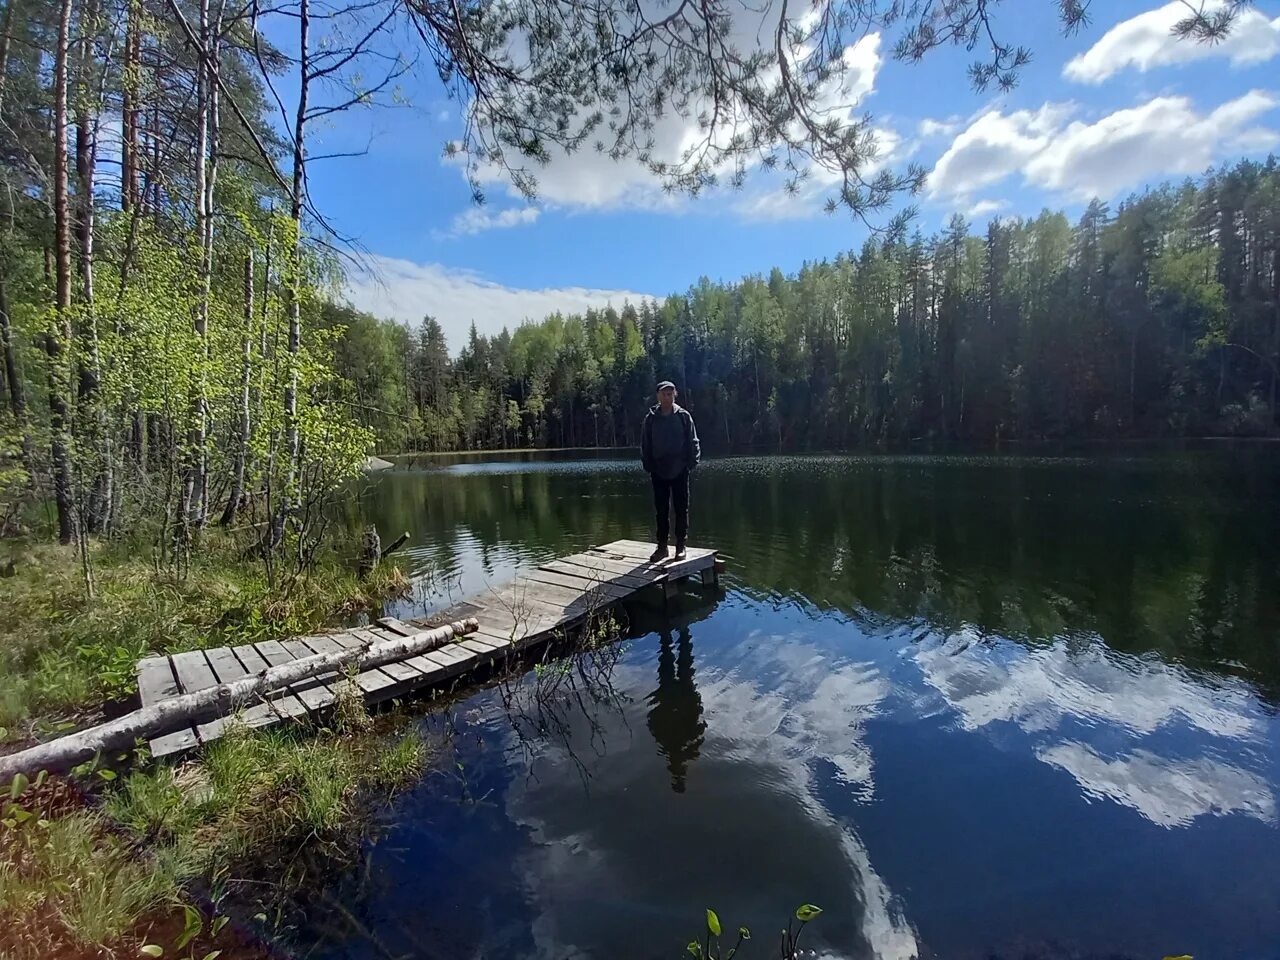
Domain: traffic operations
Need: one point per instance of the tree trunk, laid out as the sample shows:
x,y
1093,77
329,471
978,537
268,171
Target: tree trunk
x,y
293,450
212,44
56,341
6,37
191,506
98,512
13,377
12,371
246,377
175,713
129,108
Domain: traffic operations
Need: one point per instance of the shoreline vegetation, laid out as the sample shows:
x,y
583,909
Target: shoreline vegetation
x,y
1162,443
1150,320
124,857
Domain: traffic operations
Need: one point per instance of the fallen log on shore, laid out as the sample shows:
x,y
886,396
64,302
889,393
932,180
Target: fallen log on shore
x,y
177,712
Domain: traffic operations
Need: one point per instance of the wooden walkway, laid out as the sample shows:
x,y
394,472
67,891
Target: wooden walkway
x,y
555,597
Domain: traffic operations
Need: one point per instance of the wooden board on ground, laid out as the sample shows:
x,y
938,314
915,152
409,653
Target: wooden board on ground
x,y
596,571
156,681
543,603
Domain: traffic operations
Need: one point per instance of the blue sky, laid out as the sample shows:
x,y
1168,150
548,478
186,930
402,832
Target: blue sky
x,y
1116,107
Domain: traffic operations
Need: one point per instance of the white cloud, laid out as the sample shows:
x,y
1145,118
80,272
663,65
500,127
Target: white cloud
x,y
1048,690
477,219
406,291
1039,688
994,146
939,128
1146,41
984,207
1170,793
1163,136
751,732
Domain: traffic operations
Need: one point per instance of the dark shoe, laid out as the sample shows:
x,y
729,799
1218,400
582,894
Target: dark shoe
x,y
659,554
679,551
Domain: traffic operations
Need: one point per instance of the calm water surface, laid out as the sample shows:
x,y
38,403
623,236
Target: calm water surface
x,y
973,707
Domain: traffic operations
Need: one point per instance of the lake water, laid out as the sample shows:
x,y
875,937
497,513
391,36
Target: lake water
x,y
971,706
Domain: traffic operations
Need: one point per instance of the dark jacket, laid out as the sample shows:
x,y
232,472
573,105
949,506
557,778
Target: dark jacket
x,y
668,466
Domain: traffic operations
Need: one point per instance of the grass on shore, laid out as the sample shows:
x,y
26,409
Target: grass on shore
x,y
99,879
101,865
63,656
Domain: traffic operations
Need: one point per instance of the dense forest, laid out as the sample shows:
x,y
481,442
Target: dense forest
x,y
175,352
158,289
1160,318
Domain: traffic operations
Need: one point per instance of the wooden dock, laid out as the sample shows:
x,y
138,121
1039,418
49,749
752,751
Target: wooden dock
x,y
550,600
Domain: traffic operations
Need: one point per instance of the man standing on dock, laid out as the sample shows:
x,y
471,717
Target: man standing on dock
x,y
669,449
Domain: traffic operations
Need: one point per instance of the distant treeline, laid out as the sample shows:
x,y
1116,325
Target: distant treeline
x,y
1160,318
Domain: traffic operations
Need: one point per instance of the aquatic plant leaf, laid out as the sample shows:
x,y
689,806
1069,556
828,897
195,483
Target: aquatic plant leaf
x,y
807,912
713,922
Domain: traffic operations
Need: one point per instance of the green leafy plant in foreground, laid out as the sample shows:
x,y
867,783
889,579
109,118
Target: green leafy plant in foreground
x,y
712,949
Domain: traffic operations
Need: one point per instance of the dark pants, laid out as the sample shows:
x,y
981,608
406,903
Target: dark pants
x,y
665,493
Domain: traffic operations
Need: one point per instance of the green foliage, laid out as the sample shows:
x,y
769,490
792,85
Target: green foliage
x,y
88,878
1152,321
61,655
257,790
711,949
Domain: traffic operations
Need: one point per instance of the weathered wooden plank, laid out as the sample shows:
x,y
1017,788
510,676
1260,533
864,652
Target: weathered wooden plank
x,y
370,682
614,563
482,650
405,675
194,673
598,571
641,550
575,604
497,645
156,681
495,631
275,655
584,583
552,593
315,693
427,669
283,704
677,569
451,661
520,606
396,626
226,667
532,618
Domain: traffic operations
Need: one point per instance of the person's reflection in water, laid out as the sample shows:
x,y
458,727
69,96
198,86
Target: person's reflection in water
x,y
675,713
